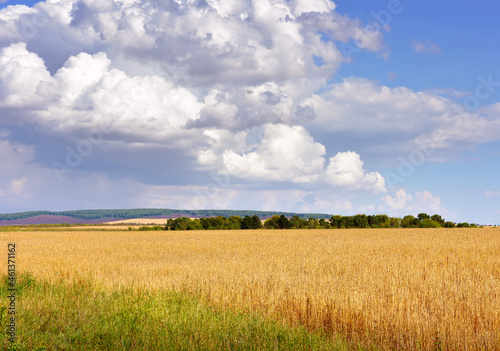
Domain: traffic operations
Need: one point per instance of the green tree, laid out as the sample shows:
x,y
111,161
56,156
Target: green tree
x,y
335,221
234,222
194,224
379,221
312,223
323,223
297,223
360,221
422,216
395,222
348,222
255,223
409,222
272,223
429,223
181,223
217,222
283,222
277,222
439,219
205,223
245,222
449,225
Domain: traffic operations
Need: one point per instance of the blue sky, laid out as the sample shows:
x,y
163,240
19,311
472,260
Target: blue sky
x,y
463,32
311,106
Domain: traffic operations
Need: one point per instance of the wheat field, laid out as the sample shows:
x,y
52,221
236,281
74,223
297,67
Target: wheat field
x,y
391,288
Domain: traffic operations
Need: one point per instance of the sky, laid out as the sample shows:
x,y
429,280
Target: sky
x,y
346,107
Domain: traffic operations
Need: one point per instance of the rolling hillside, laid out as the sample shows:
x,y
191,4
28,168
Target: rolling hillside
x,y
102,216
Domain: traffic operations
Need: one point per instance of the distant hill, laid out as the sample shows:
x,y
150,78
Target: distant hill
x,y
101,216
49,219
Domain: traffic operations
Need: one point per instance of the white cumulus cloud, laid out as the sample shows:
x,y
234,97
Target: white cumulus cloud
x,y
305,6
17,185
278,152
346,170
403,203
358,106
426,47
24,77
398,202
285,154
87,93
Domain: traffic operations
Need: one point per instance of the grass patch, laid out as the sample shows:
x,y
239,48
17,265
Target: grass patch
x,y
156,227
83,316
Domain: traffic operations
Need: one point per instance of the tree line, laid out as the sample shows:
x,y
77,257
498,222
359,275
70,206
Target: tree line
x,y
153,212
214,223
234,219
423,220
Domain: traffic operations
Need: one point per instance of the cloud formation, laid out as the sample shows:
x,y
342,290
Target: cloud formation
x,y
491,193
158,95
346,170
285,153
421,202
426,47
358,106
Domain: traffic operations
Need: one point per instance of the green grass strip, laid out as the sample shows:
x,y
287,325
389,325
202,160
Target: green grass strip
x,y
80,316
